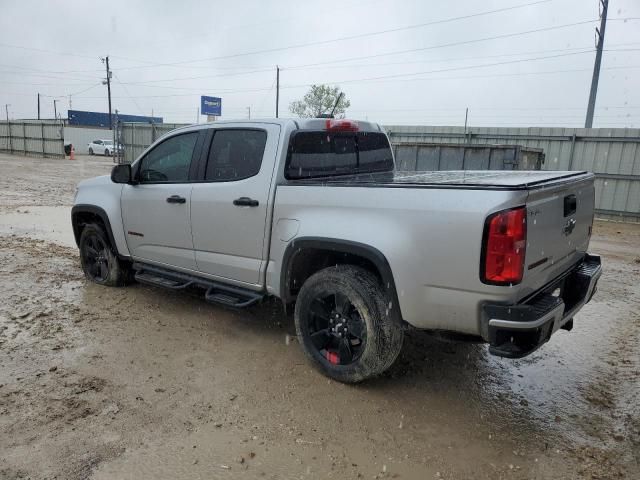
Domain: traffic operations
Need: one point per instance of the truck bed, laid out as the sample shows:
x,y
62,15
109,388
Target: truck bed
x,y
473,179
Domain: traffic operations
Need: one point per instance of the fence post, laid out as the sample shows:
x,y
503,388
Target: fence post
x,y
10,142
24,139
44,148
573,146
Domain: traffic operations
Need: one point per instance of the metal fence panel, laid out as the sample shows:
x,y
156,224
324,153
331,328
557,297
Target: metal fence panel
x,y
33,138
613,154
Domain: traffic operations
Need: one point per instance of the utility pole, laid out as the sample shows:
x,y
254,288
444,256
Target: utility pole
x,y
38,106
55,109
69,102
588,123
466,116
6,109
108,83
277,89
116,140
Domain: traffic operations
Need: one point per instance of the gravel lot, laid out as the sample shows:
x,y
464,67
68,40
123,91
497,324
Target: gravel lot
x,y
138,382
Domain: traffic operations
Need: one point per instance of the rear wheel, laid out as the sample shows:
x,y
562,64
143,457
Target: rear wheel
x,y
106,152
90,151
345,324
99,263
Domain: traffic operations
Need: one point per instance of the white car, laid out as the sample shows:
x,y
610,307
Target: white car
x,y
101,147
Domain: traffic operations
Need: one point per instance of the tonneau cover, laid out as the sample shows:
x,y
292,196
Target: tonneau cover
x,y
502,179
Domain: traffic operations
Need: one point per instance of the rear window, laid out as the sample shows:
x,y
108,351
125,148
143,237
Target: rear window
x,y
322,154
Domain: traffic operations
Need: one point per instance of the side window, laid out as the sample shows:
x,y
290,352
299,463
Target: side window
x,y
235,154
169,162
98,142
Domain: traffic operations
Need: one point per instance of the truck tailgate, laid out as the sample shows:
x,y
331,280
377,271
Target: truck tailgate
x,y
559,222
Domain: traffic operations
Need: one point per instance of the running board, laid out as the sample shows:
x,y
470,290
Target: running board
x,y
220,293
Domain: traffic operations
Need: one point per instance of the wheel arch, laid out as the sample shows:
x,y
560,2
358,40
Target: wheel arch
x,y
305,256
83,214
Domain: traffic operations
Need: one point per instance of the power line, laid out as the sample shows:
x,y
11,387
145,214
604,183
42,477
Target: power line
x,y
461,77
71,94
469,67
350,37
289,47
129,95
399,75
201,76
454,44
270,69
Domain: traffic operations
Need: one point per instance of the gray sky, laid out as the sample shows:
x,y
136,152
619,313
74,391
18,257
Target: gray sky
x,y
410,74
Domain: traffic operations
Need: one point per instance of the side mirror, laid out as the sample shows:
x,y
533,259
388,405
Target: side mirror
x,y
121,173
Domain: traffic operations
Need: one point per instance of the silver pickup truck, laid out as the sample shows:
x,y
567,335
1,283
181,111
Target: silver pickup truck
x,y
313,212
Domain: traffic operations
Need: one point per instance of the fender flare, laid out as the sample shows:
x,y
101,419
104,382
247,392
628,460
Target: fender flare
x,y
375,256
85,208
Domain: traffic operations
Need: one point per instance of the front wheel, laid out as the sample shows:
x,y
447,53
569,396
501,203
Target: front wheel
x,y
91,151
99,263
106,152
345,324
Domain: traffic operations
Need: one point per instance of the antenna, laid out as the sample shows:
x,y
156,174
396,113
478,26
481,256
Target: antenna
x,y
336,104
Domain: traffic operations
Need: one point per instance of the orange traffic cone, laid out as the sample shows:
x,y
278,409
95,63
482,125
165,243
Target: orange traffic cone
x,y
73,153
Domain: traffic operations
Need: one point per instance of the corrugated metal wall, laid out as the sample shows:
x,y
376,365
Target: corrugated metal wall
x,y
613,154
40,139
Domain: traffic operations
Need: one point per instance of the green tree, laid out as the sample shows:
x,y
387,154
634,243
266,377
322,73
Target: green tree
x,y
318,100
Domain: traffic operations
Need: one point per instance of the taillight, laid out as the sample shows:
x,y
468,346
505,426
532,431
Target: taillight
x,y
505,242
341,125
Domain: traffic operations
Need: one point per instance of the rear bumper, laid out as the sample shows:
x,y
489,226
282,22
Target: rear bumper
x,y
518,330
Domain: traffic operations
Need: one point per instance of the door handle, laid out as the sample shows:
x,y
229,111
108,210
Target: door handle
x,y
246,202
176,199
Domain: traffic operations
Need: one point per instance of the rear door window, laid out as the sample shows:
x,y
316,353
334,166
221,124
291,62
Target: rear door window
x,y
321,154
235,154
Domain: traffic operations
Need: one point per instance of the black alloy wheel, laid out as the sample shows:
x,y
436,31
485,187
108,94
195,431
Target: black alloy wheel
x,y
95,258
336,329
346,325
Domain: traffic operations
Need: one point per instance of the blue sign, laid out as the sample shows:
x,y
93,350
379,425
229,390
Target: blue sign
x,y
211,106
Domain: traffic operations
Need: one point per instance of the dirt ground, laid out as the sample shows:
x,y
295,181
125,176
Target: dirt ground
x,y
138,382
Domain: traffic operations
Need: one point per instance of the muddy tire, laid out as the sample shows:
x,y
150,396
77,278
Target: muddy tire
x,y
345,324
91,151
99,263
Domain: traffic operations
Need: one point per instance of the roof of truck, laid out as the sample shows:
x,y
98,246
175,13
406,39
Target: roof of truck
x,y
299,123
